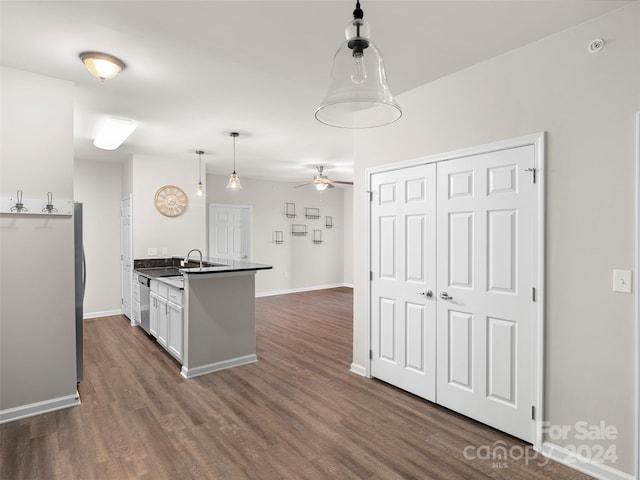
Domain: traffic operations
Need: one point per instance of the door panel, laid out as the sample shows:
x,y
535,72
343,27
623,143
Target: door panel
x,y
471,346
230,232
485,251
403,268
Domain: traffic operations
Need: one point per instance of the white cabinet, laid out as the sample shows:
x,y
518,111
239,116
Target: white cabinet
x,y
135,304
162,321
153,313
176,328
166,319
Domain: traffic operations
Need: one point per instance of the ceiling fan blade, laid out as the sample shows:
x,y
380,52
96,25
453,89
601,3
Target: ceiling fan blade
x,y
343,183
303,184
330,186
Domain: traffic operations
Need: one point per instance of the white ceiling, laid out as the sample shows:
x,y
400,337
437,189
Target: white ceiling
x,y
197,70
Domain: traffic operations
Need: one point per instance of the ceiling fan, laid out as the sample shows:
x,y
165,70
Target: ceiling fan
x,y
321,182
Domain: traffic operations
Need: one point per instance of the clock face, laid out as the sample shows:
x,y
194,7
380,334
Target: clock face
x,y
170,201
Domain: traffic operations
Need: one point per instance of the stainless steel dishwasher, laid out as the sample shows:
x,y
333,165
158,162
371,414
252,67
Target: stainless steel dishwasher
x,y
144,301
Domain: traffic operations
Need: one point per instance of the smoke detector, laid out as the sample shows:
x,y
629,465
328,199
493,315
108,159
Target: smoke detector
x,y
595,45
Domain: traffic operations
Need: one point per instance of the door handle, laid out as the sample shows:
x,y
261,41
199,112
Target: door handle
x,y
427,293
445,296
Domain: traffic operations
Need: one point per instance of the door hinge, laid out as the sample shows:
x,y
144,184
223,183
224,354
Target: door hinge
x,y
533,171
370,193
370,354
371,275
533,412
533,294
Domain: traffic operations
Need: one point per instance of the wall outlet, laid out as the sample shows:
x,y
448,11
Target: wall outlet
x,y
152,251
165,251
622,281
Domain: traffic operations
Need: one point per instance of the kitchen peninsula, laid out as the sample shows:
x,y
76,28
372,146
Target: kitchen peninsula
x,y
202,313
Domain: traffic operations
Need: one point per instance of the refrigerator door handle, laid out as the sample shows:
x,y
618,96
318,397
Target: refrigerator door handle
x,y
84,273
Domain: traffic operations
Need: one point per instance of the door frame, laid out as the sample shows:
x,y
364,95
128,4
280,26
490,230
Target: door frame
x,y
130,240
637,297
538,141
211,206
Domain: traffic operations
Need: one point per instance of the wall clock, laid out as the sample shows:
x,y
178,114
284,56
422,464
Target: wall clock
x,y
170,201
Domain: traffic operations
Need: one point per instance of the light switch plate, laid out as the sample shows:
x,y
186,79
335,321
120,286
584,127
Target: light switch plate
x,y
165,250
622,281
152,251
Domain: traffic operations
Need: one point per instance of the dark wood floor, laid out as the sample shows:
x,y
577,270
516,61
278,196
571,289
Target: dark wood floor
x,y
298,413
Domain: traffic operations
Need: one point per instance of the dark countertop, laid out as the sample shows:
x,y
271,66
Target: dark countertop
x,y
170,267
220,265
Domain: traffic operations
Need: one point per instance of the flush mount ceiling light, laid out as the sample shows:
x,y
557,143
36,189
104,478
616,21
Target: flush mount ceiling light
x,y
113,131
200,189
358,94
234,180
102,65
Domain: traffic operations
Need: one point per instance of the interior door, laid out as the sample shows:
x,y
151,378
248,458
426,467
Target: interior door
x,y
485,265
230,232
403,327
126,263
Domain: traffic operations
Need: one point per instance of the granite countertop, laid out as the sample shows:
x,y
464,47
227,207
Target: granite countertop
x,y
171,272
219,265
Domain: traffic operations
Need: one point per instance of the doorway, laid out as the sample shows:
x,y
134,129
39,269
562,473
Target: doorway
x,y
455,297
230,231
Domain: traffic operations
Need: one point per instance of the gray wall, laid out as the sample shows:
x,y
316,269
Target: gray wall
x,y
37,315
152,229
97,186
587,104
348,236
298,263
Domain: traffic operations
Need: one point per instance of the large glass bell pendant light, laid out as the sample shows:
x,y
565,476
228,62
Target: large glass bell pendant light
x,y
358,94
234,180
200,188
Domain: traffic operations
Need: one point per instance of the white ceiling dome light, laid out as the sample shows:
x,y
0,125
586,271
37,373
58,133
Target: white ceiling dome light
x,y
101,65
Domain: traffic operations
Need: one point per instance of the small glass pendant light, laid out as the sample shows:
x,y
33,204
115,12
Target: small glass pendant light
x,y
200,188
358,94
234,180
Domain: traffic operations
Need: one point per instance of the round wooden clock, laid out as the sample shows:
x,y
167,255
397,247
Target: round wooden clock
x,y
170,201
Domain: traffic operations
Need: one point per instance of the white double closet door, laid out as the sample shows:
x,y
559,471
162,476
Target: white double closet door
x,y
453,268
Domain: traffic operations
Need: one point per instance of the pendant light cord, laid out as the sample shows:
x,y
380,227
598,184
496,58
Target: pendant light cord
x,y
234,135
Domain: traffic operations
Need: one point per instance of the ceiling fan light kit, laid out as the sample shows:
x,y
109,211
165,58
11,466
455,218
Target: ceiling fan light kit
x,y
102,65
320,181
358,95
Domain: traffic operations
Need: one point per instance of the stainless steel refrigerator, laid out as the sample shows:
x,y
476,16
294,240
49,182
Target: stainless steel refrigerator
x,y
80,283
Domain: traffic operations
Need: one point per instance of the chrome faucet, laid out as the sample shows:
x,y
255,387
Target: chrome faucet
x,y
186,259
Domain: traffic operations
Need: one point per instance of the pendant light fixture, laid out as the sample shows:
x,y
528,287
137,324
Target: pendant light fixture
x,y
200,189
102,65
358,94
234,180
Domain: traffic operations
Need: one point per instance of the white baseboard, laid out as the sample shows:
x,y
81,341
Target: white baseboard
x,y
106,313
358,370
302,289
583,464
215,367
46,406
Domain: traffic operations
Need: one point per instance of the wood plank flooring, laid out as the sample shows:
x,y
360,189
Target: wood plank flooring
x,y
296,414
